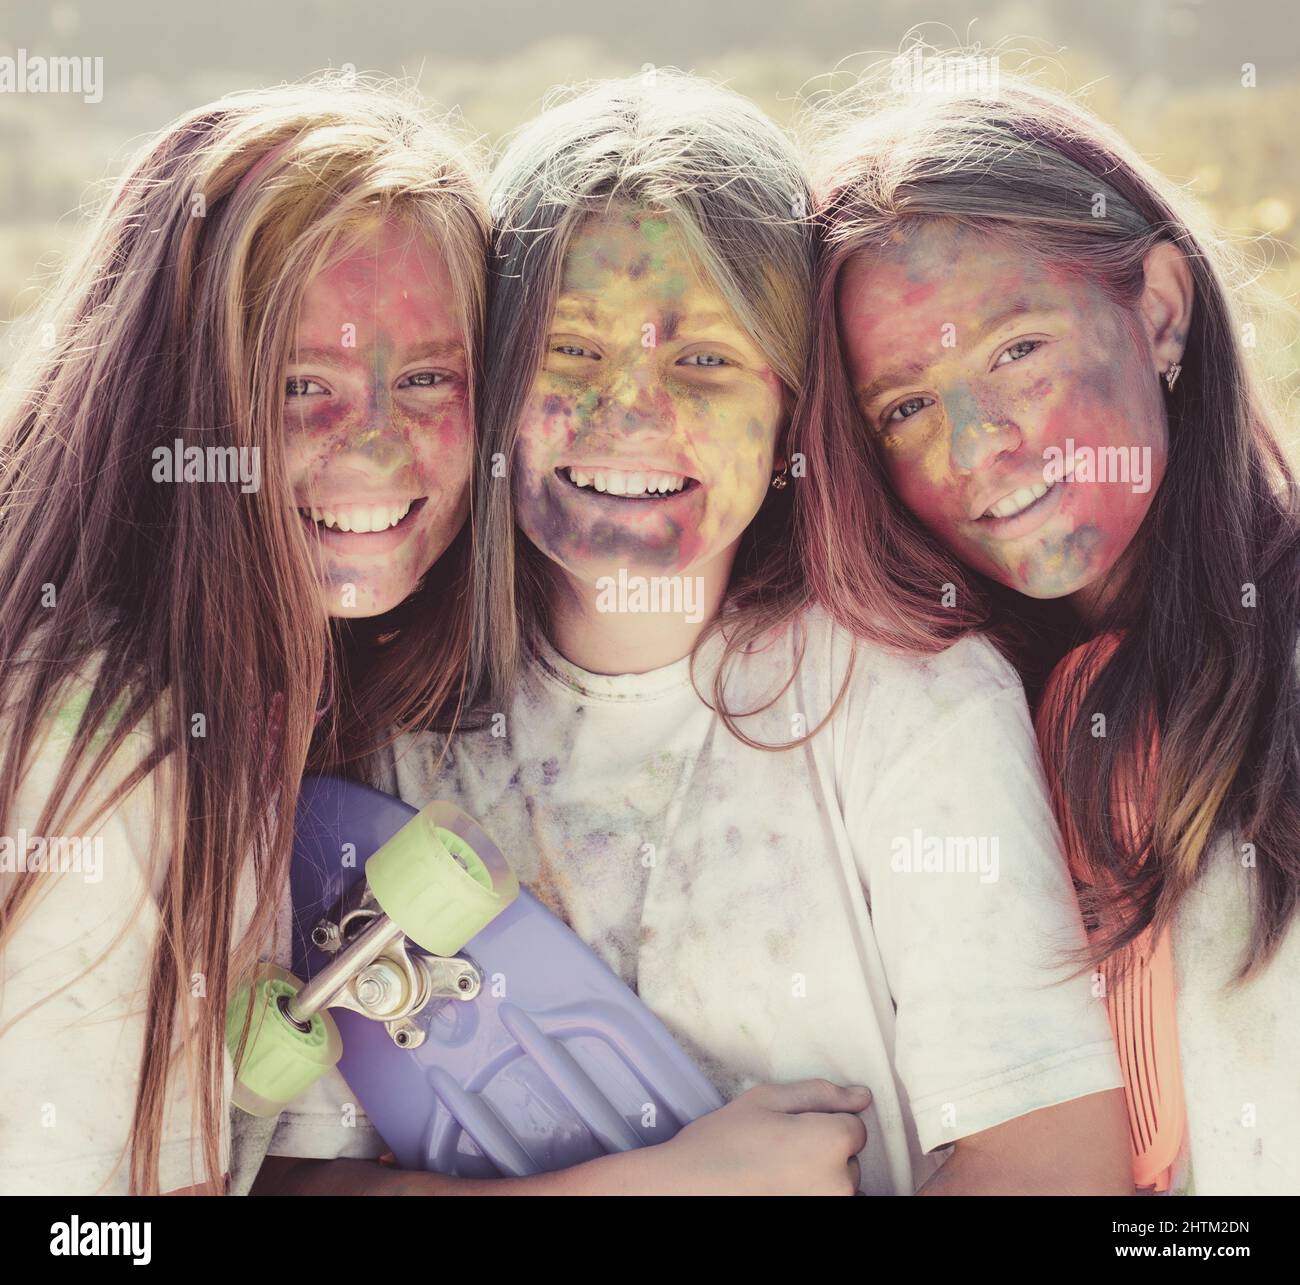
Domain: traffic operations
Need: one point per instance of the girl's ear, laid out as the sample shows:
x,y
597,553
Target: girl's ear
x,y
780,458
1165,305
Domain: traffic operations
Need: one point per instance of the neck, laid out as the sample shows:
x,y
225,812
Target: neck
x,y
1089,605
1096,600
608,628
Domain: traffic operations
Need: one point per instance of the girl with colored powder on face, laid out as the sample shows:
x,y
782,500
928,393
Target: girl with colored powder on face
x,y
295,275
732,803
1021,341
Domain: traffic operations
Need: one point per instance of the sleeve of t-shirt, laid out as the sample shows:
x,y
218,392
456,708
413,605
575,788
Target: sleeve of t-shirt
x,y
73,983
327,1123
970,898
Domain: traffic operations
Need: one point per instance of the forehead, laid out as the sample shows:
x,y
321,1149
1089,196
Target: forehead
x,y
937,273
392,278
633,251
934,264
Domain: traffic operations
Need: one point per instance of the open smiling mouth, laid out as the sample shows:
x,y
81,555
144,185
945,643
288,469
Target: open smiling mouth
x,y
641,485
364,519
1026,500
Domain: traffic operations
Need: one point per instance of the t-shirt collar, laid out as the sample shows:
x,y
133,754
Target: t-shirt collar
x,y
626,687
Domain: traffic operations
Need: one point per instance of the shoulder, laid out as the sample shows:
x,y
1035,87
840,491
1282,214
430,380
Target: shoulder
x,y
970,670
64,714
123,778
60,718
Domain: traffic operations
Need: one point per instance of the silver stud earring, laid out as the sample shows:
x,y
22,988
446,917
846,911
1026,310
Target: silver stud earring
x,y
1171,375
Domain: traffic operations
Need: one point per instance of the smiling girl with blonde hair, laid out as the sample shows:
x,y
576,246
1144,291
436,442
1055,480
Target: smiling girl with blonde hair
x,y
294,276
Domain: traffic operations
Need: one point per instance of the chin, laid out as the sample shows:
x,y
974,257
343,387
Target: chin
x,y
359,612
1046,590
631,562
1044,594
366,606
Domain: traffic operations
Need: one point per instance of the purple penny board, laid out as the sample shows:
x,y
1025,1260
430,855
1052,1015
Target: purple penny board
x,y
554,1062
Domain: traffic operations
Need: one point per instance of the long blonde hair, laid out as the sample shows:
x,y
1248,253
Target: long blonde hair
x,y
177,321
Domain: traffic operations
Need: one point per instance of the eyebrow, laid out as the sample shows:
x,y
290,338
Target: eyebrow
x,y
1021,308
894,379
590,308
340,356
701,321
587,309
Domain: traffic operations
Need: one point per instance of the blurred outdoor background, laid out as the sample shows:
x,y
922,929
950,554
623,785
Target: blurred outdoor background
x,y
1168,73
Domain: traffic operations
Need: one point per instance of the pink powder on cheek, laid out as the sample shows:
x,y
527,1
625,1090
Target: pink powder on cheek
x,y
441,448
932,504
452,428
1035,394
553,426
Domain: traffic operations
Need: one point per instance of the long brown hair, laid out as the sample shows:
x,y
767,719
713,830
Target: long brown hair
x,y
1209,607
177,321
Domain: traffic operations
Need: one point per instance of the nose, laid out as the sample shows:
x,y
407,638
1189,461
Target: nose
x,y
977,439
631,398
376,434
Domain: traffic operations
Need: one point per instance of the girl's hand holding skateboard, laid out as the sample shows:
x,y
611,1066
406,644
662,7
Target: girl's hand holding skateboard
x,y
774,1140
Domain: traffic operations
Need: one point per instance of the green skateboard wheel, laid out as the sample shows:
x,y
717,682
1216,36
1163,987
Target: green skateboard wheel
x,y
435,884
280,1061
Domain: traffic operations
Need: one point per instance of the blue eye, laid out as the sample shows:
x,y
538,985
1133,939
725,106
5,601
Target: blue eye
x,y
1022,346
300,386
906,409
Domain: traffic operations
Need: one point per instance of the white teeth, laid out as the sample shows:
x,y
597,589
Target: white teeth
x,y
1017,501
360,519
616,482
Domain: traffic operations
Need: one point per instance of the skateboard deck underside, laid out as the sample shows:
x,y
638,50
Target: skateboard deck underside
x,y
554,1062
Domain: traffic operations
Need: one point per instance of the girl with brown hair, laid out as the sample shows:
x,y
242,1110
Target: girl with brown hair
x,y
1026,345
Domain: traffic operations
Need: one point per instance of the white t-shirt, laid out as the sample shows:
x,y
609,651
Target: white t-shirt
x,y
1239,1046
70,1061
762,904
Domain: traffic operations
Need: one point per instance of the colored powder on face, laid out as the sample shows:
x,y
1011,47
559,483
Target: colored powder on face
x,y
618,390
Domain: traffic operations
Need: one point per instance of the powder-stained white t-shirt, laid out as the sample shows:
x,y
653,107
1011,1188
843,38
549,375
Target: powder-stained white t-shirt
x,y
1239,1045
73,985
885,904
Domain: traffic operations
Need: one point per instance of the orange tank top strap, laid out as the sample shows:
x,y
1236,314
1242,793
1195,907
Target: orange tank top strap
x,y
1140,1002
